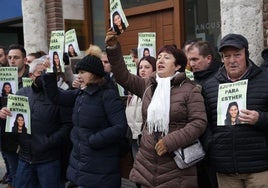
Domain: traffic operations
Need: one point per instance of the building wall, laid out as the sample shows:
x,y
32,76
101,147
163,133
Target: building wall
x,y
73,10
56,11
34,26
246,18
39,19
265,22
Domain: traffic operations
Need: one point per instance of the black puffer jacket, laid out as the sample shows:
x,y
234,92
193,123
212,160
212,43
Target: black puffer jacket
x,y
202,76
99,123
50,127
240,148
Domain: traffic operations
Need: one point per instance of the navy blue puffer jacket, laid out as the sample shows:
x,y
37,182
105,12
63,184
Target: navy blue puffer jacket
x,y
99,123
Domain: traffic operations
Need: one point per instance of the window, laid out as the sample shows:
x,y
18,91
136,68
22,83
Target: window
x,y
98,23
202,20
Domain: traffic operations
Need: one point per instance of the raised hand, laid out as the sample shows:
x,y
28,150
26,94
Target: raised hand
x,y
111,38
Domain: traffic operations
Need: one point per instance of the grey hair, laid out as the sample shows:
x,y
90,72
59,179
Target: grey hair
x,y
34,63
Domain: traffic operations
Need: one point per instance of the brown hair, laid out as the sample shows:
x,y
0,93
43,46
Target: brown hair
x,y
150,59
179,55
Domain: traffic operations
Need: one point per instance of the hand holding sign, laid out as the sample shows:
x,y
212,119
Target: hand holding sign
x,y
4,112
249,116
111,38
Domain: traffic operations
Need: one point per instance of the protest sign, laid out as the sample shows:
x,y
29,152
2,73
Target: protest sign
x,y
56,49
131,66
9,77
118,19
231,99
71,43
26,81
146,44
20,121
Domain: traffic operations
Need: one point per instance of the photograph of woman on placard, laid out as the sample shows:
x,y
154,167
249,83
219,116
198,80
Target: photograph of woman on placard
x,y
118,24
232,114
146,52
71,51
6,89
56,63
19,124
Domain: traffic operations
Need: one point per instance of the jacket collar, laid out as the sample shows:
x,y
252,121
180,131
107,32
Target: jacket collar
x,y
252,71
212,69
91,89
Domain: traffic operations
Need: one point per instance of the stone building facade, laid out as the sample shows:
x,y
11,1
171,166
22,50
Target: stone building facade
x,y
249,18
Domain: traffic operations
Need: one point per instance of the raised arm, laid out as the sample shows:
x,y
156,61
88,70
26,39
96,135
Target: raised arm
x,y
56,95
131,82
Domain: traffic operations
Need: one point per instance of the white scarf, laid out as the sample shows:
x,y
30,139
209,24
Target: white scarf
x,y
158,110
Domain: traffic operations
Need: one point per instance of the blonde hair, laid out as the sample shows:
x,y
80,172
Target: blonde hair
x,y
94,50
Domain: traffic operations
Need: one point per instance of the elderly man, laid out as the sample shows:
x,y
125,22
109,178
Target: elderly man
x,y
239,153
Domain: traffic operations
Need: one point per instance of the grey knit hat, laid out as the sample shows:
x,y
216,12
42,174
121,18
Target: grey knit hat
x,y
92,64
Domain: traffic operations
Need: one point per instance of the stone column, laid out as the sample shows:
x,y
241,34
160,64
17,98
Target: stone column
x,y
246,18
34,25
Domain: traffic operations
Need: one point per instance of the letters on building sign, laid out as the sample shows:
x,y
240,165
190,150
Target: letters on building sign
x,y
207,26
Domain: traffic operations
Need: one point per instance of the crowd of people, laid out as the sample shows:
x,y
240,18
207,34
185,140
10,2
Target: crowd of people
x,y
77,130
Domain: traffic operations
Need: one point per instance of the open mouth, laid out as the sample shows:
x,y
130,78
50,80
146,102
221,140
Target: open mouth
x,y
160,67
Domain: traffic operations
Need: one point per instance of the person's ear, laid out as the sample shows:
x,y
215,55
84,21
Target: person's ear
x,y
177,67
25,60
209,58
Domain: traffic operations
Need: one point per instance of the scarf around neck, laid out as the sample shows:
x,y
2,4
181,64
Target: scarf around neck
x,y
158,110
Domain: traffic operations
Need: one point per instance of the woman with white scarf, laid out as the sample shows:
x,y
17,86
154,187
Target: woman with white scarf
x,y
173,114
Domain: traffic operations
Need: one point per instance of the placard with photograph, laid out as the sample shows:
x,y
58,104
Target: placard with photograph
x,y
232,97
118,19
146,44
56,49
20,121
8,80
71,43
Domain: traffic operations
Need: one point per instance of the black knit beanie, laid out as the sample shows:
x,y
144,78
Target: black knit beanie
x,y
92,64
